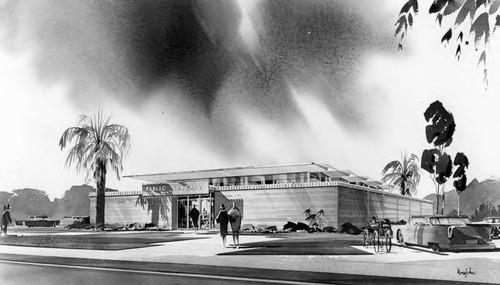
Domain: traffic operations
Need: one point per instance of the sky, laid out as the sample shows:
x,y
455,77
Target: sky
x,y
211,84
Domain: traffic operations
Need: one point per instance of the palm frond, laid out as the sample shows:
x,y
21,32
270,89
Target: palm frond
x,y
311,217
95,140
307,212
405,173
388,178
395,165
68,135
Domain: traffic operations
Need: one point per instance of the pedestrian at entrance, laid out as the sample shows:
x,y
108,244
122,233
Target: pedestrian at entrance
x,y
194,214
222,219
235,220
6,219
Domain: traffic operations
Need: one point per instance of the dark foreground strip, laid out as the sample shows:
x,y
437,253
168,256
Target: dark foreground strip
x,y
237,272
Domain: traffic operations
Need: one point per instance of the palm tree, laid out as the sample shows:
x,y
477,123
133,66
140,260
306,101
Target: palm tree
x,y
97,145
404,173
317,219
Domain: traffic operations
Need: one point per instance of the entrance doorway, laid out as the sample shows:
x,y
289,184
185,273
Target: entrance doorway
x,y
204,204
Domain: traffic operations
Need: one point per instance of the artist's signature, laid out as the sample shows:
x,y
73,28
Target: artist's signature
x,y
466,272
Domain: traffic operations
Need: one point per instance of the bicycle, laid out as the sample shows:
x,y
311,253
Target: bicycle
x,y
378,234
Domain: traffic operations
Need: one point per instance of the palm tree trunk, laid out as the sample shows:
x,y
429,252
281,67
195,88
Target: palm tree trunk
x,y
100,177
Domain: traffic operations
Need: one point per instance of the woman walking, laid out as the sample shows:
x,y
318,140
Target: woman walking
x,y
222,219
235,220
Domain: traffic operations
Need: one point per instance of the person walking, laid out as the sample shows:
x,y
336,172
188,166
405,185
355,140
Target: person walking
x,y
235,220
1,220
194,214
222,219
6,219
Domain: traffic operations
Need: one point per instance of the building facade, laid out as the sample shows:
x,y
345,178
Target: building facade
x,y
266,195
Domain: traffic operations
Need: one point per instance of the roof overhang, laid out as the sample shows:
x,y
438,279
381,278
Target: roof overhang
x,y
235,172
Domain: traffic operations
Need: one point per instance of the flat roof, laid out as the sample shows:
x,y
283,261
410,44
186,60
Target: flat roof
x,y
237,171
326,169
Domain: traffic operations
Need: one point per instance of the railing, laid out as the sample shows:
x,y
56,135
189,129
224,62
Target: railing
x,y
275,186
119,193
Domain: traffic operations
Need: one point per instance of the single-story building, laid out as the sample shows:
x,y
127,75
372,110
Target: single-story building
x,y
266,195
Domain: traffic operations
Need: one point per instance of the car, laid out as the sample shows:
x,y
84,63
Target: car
x,y
441,232
494,222
40,221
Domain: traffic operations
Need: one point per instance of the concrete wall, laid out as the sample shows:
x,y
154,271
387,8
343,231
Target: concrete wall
x,y
278,206
125,210
274,206
357,204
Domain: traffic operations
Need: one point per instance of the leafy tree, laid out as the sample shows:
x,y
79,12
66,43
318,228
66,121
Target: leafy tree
x,y
74,202
5,198
483,211
404,173
435,160
26,202
474,20
97,146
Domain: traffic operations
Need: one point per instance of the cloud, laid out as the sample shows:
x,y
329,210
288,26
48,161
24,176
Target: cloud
x,y
207,84
128,50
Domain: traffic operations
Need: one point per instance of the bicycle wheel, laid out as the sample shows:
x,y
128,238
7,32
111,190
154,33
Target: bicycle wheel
x,y
388,241
376,241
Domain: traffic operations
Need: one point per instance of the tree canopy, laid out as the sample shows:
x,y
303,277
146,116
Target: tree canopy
x,y
470,21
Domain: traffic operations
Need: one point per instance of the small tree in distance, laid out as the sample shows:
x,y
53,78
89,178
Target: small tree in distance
x,y
404,173
435,160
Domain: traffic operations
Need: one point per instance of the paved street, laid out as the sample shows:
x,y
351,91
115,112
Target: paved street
x,y
15,273
343,263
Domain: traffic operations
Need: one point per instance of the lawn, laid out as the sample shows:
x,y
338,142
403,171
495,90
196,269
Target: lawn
x,y
90,239
292,243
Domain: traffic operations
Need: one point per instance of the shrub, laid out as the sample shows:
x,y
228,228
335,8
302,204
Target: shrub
x,y
290,226
81,225
350,229
248,228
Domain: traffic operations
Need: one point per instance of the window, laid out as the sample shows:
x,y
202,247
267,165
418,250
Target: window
x,y
268,179
314,177
280,178
301,177
256,180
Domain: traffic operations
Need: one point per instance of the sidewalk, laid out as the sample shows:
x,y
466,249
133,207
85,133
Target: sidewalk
x,y
401,262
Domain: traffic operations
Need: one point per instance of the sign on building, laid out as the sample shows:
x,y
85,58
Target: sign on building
x,y
177,188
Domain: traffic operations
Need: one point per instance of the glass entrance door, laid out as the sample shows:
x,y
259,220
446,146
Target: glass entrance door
x,y
205,213
182,213
204,206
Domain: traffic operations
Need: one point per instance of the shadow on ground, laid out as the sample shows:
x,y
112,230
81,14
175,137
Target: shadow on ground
x,y
104,241
302,244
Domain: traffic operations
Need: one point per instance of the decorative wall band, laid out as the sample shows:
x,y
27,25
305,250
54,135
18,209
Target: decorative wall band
x,y
277,186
